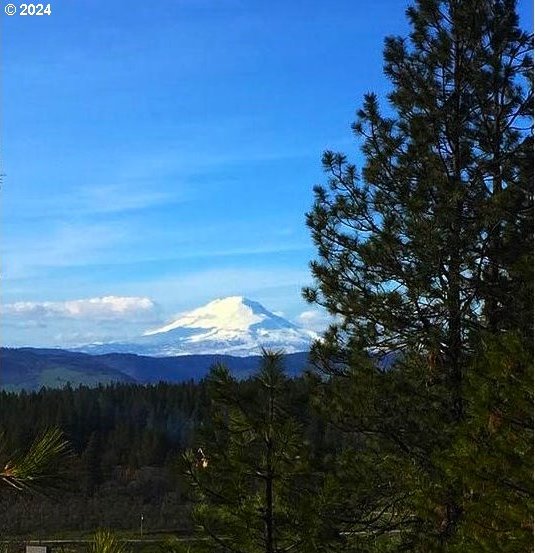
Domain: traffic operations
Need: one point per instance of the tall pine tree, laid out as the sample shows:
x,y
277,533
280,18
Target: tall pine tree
x,y
424,253
255,489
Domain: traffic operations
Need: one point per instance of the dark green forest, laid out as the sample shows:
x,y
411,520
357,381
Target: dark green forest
x,y
424,253
125,444
124,441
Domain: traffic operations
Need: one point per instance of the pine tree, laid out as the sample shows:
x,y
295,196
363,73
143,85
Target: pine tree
x,y
38,466
423,254
406,252
492,456
254,486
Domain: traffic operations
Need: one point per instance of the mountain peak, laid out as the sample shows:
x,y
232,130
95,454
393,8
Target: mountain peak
x,y
234,302
233,313
230,300
232,325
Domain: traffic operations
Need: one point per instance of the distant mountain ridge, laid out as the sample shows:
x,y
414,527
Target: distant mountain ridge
x,y
31,369
233,326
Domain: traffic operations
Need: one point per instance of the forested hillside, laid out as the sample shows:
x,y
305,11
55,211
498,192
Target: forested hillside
x,y
126,442
31,369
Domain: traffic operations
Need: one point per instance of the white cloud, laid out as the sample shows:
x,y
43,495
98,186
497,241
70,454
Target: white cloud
x,y
102,308
315,320
118,198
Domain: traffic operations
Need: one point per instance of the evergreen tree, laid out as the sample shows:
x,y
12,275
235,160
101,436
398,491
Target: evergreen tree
x,y
255,489
39,466
492,456
424,254
408,250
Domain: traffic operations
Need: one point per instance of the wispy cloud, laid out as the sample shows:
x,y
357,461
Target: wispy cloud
x,y
103,308
62,245
314,319
85,201
117,198
75,322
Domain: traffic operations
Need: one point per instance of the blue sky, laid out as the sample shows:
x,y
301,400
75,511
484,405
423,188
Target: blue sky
x,y
168,149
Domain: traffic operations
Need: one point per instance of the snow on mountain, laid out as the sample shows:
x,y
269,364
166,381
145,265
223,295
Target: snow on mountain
x,y
233,326
232,314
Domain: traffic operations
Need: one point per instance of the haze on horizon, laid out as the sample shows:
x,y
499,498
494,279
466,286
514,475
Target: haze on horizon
x,y
160,155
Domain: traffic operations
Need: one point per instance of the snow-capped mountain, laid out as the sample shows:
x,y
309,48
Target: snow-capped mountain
x,y
231,326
